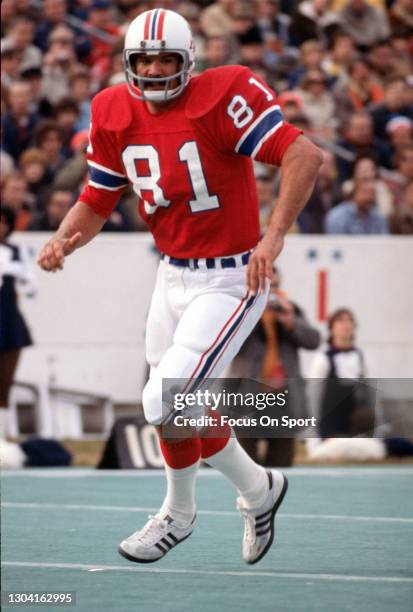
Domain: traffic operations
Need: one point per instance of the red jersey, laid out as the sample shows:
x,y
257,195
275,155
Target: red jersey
x,y
190,166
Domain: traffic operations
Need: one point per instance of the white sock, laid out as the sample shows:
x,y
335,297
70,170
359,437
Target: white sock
x,y
179,502
250,478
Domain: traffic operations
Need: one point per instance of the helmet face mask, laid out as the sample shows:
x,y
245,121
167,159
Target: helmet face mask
x,y
158,32
137,84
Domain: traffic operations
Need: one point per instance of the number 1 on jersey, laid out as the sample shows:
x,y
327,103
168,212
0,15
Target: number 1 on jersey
x,y
268,94
203,201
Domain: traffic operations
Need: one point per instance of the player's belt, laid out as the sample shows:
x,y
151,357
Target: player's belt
x,y
210,263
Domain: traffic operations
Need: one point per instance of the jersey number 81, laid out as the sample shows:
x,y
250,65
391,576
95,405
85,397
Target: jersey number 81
x,y
188,153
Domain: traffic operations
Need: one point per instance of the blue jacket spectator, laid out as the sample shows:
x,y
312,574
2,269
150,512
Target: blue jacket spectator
x,y
358,216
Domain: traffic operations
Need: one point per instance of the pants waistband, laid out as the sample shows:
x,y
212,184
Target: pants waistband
x,y
210,263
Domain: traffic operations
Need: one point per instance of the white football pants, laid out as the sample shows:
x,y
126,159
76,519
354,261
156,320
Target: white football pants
x,y
197,322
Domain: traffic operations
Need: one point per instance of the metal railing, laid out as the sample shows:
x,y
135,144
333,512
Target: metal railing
x,y
48,402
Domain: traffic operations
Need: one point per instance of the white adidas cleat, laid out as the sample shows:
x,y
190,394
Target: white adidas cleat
x,y
155,539
259,522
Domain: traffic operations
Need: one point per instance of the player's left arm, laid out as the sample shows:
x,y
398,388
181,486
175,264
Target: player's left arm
x,y
248,121
299,168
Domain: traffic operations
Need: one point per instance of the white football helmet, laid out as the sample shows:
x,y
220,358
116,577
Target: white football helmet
x,y
154,32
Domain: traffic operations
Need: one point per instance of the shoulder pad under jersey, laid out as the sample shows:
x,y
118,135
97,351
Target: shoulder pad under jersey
x,y
112,108
210,87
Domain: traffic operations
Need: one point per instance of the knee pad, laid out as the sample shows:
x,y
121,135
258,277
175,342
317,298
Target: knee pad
x,y
152,401
157,400
158,404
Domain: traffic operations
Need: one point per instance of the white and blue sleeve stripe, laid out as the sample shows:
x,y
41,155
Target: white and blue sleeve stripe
x,y
259,131
105,178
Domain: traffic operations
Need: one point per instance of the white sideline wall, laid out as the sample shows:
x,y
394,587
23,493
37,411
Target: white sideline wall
x,y
88,322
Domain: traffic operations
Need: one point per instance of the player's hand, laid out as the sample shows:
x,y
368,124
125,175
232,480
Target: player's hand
x,y
52,255
260,265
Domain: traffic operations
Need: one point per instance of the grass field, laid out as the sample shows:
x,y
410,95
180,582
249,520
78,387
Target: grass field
x,y
344,542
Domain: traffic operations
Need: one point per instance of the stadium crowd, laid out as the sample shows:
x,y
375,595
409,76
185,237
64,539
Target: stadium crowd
x,y
342,70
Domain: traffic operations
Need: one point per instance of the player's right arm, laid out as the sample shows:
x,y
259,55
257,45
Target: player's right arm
x,y
80,225
107,180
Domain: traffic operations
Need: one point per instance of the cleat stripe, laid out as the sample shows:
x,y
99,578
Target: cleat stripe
x,y
262,524
167,543
161,548
173,538
261,516
264,531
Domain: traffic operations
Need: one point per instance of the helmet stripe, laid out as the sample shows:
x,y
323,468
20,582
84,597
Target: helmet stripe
x,y
146,29
153,28
159,31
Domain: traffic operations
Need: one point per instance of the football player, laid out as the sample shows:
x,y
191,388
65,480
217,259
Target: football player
x,y
186,145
